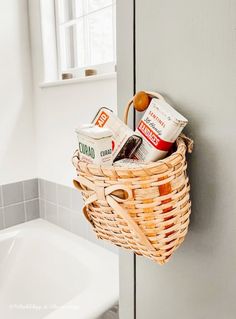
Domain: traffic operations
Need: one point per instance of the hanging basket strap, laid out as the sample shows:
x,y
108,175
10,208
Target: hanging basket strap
x,y
188,142
112,195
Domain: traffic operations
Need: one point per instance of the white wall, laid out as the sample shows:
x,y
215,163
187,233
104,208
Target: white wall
x,y
17,147
59,110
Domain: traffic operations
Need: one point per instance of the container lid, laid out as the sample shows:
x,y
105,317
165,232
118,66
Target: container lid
x,y
94,131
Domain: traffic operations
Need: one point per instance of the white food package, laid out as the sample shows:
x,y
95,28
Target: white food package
x,y
159,128
95,145
121,132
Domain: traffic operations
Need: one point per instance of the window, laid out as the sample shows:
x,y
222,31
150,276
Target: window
x,y
85,32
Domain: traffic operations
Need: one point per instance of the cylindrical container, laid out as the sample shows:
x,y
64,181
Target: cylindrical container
x,y
89,72
67,76
95,145
159,127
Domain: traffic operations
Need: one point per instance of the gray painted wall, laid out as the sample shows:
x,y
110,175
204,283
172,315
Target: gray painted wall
x,y
186,50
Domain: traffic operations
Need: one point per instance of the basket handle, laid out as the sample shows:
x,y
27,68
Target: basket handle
x,y
131,223
81,183
150,94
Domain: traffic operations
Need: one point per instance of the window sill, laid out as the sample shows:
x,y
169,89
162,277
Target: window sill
x,y
91,78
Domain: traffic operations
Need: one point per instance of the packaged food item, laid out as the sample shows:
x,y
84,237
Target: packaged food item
x,y
95,144
159,127
125,142
130,163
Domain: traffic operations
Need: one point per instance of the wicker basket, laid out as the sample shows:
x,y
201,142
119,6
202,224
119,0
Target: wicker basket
x,y
146,209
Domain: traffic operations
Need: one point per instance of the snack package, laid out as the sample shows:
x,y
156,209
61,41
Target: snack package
x,y
125,142
159,127
95,145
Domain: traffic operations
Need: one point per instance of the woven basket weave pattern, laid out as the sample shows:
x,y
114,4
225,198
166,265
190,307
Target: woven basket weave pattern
x,y
145,209
158,203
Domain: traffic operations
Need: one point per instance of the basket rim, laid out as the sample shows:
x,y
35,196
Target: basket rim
x,y
183,143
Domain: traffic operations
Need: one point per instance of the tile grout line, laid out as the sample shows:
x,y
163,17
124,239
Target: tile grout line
x,y
57,203
38,182
3,209
23,187
68,207
24,201
39,197
70,210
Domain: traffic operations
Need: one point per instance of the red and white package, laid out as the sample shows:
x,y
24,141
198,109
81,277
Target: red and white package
x,y
125,142
159,127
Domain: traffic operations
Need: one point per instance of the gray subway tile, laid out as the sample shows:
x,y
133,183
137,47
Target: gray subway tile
x,y
91,235
1,219
64,218
42,208
79,224
51,212
64,196
1,199
32,209
14,214
81,227
76,200
112,313
12,193
41,188
30,189
50,191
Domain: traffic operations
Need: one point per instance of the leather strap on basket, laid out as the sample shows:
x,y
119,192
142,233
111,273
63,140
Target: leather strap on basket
x,y
188,142
108,193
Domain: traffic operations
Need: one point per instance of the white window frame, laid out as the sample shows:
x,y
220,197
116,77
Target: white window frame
x,y
79,72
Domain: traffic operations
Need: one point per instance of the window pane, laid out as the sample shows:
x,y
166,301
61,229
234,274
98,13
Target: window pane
x,y
100,36
80,43
86,6
79,8
65,10
67,47
93,5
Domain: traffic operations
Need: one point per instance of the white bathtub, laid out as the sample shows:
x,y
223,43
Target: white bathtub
x,y
47,272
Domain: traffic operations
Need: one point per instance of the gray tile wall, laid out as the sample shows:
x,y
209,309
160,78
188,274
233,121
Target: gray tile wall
x,y
62,206
19,202
112,313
